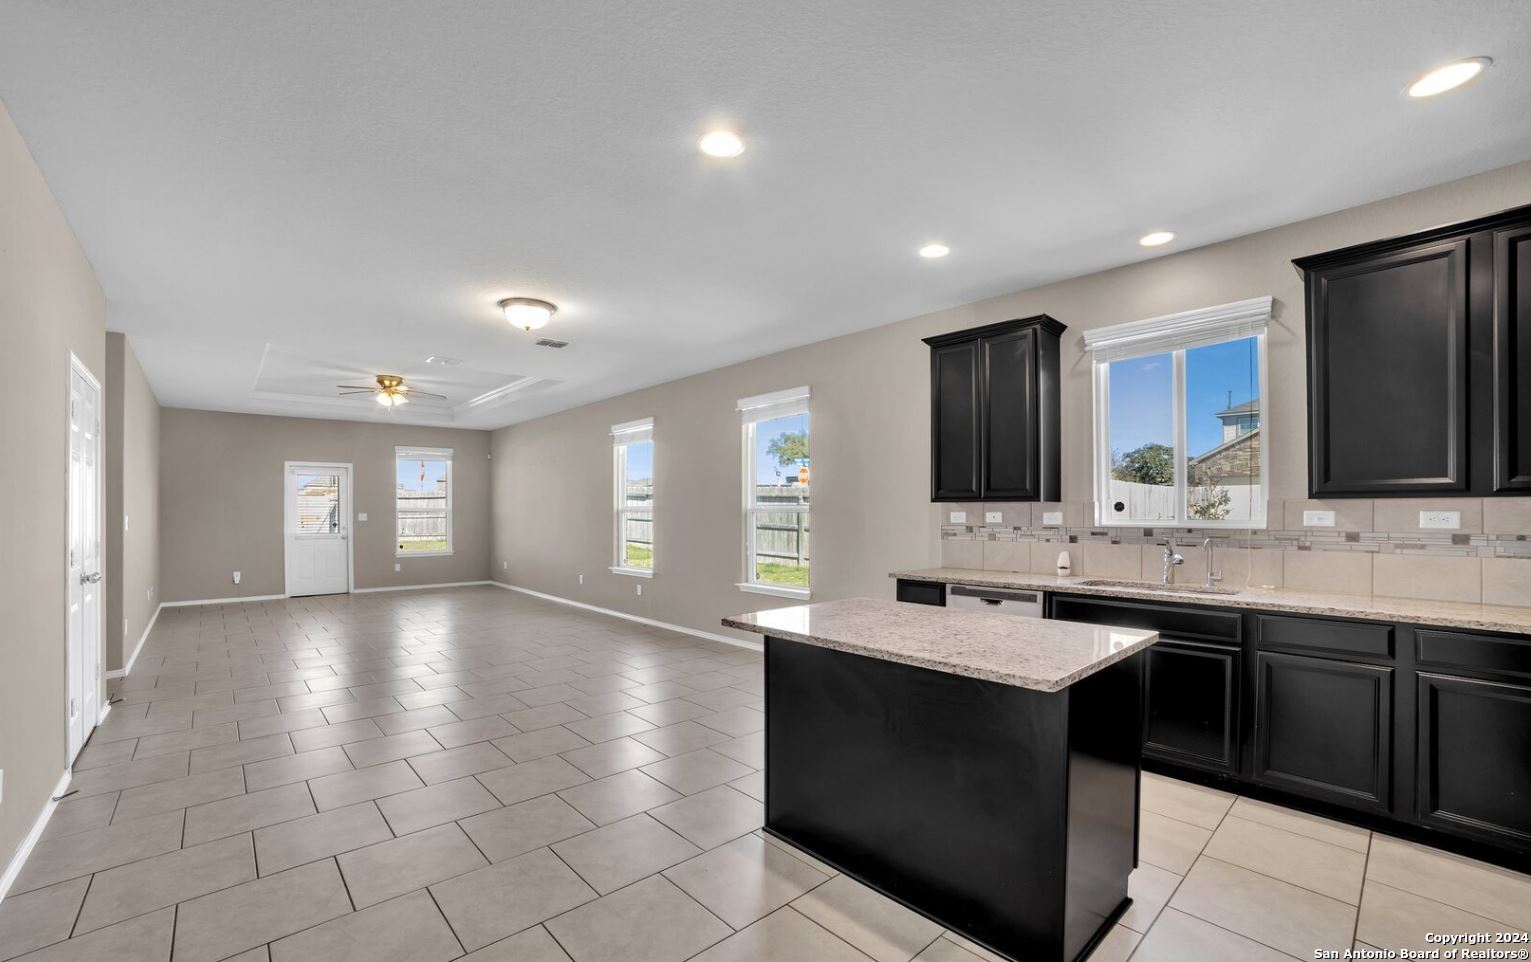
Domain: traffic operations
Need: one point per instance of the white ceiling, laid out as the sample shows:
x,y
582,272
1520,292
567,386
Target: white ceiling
x,y
364,180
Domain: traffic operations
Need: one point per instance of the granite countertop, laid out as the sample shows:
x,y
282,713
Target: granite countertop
x,y
1025,652
1445,614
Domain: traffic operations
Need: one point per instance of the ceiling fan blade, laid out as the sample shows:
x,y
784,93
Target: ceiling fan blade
x,y
357,387
412,392
351,393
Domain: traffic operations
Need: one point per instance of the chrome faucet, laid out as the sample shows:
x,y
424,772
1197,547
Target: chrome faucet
x,y
1171,557
1212,576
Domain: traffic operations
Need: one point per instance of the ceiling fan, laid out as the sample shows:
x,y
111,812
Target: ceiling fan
x,y
390,391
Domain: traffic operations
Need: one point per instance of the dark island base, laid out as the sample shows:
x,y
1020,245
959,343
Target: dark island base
x,y
1004,814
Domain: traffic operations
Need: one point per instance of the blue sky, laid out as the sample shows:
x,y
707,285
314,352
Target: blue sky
x,y
766,468
410,471
640,461
1141,405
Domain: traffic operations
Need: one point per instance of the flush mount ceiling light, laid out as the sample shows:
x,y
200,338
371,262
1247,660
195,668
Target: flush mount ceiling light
x,y
721,143
528,313
1448,77
932,251
1156,238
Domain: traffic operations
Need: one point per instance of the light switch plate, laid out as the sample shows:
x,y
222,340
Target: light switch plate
x,y
1052,517
993,517
1450,520
361,516
1318,519
958,517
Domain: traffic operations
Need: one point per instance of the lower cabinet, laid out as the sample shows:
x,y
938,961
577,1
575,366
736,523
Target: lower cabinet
x,y
1474,764
1323,728
1192,705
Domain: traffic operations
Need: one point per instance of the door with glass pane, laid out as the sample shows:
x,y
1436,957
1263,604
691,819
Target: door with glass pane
x,y
317,528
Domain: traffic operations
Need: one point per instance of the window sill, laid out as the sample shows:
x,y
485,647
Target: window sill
x,y
635,572
780,591
423,554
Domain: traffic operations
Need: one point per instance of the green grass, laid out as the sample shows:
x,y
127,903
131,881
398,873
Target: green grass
x,y
435,544
781,574
639,557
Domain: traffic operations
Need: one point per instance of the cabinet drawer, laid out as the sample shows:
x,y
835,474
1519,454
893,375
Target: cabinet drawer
x,y
922,592
1487,653
1224,627
1323,636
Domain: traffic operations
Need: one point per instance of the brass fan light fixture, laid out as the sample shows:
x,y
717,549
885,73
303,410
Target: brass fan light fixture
x,y
390,391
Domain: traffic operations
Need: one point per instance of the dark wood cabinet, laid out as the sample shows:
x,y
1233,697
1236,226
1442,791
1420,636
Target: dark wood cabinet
x,y
994,412
1419,367
1474,764
1191,705
1323,728
1512,359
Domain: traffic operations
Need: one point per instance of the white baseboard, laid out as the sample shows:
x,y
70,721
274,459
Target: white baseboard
x,y
697,632
30,842
445,584
221,601
128,666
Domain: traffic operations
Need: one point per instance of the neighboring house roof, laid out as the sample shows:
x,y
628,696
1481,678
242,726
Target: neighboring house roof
x,y
1248,407
1248,437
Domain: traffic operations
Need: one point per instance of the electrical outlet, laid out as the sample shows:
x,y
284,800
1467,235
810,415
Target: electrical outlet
x,y
1052,518
581,579
124,629
1318,519
124,524
361,516
993,517
2,785
149,594
640,589
236,577
504,565
1440,519
397,566
959,517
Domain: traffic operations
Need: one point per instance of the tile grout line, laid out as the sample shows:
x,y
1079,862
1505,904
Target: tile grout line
x,y
1355,929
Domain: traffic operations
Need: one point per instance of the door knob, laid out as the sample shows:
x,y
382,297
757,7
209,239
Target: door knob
x,y
90,579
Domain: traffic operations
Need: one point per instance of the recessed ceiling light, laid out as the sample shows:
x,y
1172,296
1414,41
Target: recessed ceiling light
x,y
932,251
1448,77
1156,238
721,143
528,313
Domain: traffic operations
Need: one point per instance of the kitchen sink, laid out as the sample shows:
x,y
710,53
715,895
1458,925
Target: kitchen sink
x,y
1156,586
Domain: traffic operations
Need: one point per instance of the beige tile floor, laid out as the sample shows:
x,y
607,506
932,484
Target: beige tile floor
x,y
472,773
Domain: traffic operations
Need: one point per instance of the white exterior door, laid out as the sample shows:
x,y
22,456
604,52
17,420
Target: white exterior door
x,y
317,528
84,575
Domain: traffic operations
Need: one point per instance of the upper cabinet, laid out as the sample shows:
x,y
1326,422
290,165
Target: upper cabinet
x,y
1419,361
994,415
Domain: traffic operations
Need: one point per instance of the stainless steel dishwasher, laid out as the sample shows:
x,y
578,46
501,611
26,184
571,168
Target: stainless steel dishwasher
x,y
1003,601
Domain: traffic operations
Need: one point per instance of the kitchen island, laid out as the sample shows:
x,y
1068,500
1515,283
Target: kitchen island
x,y
982,770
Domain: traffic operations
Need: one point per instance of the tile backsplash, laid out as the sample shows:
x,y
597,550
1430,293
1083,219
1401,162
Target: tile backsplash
x,y
1376,547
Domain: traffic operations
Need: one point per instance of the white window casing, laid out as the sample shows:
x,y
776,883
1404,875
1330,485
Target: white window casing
x,y
1174,334
423,516
623,513
753,411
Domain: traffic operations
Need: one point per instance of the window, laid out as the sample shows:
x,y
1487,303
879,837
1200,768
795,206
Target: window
x,y
776,493
633,460
1180,408
423,501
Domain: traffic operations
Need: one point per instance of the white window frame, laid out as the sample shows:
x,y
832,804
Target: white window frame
x,y
753,410
426,454
622,435
1174,334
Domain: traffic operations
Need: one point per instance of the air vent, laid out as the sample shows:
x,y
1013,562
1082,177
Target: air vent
x,y
551,342
445,361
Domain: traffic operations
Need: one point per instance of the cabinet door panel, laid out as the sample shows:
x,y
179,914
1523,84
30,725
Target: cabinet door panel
x,y
1387,373
1322,728
1512,359
1011,466
1192,705
1475,757
954,422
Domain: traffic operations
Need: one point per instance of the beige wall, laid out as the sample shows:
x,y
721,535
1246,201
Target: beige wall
x,y
871,423
50,304
221,500
132,501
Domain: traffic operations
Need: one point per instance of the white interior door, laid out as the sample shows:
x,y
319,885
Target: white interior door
x,y
84,575
317,529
